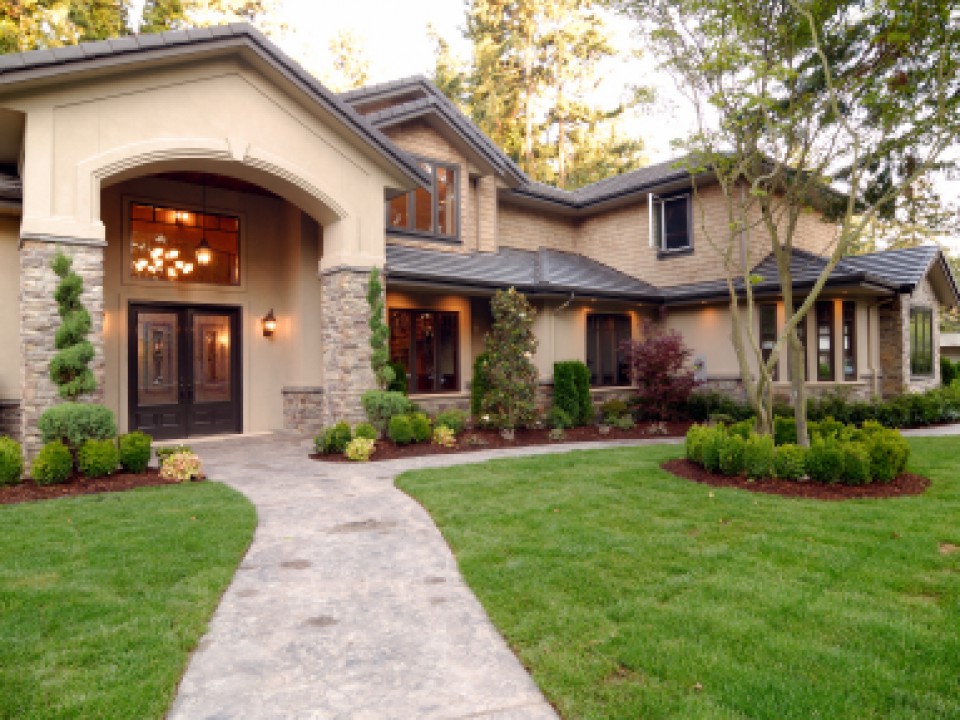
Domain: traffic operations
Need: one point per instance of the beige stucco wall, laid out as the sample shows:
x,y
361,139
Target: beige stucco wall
x,y
706,330
9,308
87,135
279,254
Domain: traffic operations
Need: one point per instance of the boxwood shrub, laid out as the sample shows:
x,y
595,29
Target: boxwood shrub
x,y
134,450
52,465
758,455
454,419
333,440
421,427
825,461
364,431
75,423
11,461
98,458
400,430
731,455
790,462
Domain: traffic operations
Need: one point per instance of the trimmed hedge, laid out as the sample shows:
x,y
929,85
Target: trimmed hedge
x,y
11,461
134,450
52,465
839,453
98,458
400,430
74,423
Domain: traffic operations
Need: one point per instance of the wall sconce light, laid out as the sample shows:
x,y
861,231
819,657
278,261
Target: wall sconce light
x,y
204,253
269,322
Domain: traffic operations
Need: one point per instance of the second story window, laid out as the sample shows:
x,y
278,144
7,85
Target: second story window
x,y
432,212
670,226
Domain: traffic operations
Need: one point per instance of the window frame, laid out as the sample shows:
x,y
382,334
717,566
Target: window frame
x,y
433,235
656,205
765,353
849,322
412,313
596,318
826,306
921,311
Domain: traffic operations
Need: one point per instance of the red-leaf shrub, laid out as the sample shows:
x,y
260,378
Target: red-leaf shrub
x,y
658,365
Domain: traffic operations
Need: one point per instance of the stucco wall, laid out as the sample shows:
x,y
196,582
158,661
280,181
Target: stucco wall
x,y
279,254
9,309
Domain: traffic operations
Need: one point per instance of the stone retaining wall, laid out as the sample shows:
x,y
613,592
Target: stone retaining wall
x,y
39,321
303,409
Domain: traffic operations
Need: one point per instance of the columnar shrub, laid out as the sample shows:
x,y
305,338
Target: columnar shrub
x,y
97,458
135,451
52,465
70,365
510,401
581,378
11,461
479,385
379,332
565,396
658,365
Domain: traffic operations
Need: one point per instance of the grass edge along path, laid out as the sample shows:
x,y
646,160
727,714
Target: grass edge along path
x,y
628,592
104,597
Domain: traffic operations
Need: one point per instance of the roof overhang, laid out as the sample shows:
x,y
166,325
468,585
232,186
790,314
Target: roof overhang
x,y
42,69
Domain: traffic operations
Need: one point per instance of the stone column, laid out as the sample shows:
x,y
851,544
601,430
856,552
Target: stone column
x,y
344,314
894,328
39,320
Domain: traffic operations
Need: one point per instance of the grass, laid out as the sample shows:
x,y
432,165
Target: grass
x,y
103,597
630,593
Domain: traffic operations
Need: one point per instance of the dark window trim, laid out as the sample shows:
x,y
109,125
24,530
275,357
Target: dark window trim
x,y
927,313
600,316
765,354
832,322
662,252
411,357
851,306
434,235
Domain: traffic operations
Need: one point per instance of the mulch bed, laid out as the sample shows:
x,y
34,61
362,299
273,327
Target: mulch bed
x,y
903,484
27,490
492,440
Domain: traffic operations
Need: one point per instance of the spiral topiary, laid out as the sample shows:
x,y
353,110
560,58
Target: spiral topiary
x,y
69,367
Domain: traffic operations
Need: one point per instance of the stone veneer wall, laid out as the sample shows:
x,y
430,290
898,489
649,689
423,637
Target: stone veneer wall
x,y
39,320
344,314
303,409
10,419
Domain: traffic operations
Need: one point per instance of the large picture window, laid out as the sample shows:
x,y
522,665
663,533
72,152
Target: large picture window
x,y
849,340
431,212
605,333
670,223
176,245
921,341
825,363
426,344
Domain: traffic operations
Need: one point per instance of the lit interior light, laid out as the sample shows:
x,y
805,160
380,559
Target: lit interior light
x,y
178,264
204,253
187,268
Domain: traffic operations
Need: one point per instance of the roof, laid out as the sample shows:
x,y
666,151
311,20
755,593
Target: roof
x,y
897,270
535,271
50,64
546,271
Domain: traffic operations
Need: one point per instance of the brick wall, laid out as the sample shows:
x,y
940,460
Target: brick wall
x,y
10,419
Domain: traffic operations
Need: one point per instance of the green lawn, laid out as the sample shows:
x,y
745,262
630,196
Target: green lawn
x,y
630,593
103,597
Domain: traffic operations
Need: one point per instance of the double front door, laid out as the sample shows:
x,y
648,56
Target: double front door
x,y
185,373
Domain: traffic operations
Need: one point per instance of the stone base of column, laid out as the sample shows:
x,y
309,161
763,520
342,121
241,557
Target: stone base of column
x,y
344,316
303,409
39,321
10,419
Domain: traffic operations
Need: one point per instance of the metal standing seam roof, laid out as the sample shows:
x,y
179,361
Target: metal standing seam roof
x,y
540,271
554,271
51,62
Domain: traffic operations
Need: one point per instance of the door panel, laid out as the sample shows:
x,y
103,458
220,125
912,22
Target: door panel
x,y
184,364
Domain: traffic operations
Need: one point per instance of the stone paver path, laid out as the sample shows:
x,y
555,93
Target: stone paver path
x,y
349,603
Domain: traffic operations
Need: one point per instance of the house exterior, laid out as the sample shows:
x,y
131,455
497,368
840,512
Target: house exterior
x,y
224,210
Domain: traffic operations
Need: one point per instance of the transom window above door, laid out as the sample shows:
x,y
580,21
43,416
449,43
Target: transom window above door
x,y
176,245
432,212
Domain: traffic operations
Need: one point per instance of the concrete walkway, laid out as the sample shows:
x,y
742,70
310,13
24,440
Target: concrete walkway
x,y
349,603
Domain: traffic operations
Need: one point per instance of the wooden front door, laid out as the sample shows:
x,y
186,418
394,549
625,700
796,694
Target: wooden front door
x,y
184,368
